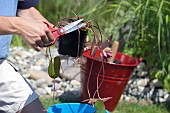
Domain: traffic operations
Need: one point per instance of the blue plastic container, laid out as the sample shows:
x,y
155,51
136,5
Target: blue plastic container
x,y
72,108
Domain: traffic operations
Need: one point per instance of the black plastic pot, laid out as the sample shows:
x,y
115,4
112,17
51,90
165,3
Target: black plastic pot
x,y
72,44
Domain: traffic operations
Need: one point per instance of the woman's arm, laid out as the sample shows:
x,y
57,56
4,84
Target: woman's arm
x,y
30,13
6,25
31,28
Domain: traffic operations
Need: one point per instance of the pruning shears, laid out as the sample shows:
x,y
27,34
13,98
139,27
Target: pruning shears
x,y
57,32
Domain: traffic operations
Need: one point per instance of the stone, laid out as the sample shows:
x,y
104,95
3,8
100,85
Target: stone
x,y
27,75
69,70
37,74
71,73
156,83
144,102
122,97
126,98
44,85
11,59
142,82
166,96
161,100
140,69
35,67
40,62
133,100
60,92
134,92
58,80
26,54
56,86
76,87
33,84
63,84
42,91
48,89
140,89
69,88
160,93
75,83
40,82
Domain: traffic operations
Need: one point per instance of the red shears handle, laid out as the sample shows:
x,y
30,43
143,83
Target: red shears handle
x,y
57,32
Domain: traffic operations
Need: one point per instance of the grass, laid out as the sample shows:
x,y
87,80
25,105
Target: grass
x,y
137,108
124,107
47,101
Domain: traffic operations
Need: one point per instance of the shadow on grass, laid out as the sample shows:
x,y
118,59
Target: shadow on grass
x,y
70,97
167,106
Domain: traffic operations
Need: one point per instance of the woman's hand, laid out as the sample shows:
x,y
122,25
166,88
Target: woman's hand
x,y
34,32
32,29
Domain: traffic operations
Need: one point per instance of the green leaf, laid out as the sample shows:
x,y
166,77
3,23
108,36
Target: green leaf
x,y
160,7
100,107
57,64
167,82
169,68
158,74
51,71
138,7
118,8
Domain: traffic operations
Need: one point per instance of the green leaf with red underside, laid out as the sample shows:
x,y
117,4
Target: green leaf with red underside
x,y
54,67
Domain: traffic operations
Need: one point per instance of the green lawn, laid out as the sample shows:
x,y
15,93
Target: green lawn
x,y
124,107
137,108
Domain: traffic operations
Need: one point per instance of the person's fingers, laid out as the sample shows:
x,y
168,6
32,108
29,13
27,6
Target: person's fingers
x,y
48,39
40,43
49,33
36,47
50,36
45,40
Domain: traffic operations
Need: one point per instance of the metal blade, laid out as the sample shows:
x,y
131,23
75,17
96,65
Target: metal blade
x,y
69,26
75,28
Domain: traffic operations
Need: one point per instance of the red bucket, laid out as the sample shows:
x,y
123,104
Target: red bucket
x,y
114,78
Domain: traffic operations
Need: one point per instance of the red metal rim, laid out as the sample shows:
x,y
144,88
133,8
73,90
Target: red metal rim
x,y
87,54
